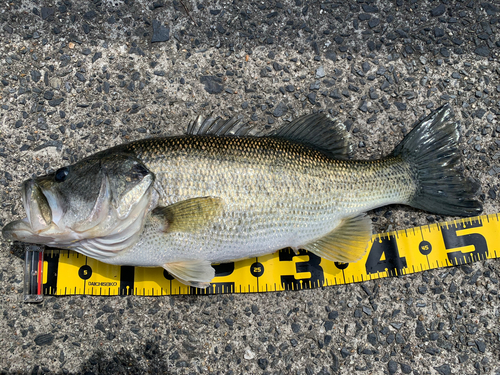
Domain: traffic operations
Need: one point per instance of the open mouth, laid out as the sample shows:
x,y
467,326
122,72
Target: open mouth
x,y
37,207
38,215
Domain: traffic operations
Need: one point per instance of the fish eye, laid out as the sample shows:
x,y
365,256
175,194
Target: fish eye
x,y
61,174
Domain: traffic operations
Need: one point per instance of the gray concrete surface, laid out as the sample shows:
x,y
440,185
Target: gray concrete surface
x,y
81,76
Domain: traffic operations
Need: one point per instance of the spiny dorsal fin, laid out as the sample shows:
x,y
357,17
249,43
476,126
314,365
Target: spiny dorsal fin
x,y
317,130
196,273
188,215
218,127
320,131
347,243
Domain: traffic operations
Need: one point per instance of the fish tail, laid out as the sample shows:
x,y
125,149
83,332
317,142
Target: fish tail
x,y
431,150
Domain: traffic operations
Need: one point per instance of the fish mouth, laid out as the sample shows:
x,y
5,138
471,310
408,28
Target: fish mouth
x,y
38,211
38,215
16,230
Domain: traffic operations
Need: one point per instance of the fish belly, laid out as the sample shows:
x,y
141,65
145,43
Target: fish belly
x,y
235,235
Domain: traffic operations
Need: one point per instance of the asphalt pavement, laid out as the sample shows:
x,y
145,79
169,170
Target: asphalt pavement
x,y
77,77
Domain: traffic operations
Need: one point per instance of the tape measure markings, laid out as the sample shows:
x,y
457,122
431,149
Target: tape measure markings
x,y
394,253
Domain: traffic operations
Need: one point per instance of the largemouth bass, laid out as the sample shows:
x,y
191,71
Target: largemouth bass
x,y
218,194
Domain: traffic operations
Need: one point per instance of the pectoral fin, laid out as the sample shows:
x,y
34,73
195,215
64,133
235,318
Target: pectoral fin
x,y
347,243
196,273
188,215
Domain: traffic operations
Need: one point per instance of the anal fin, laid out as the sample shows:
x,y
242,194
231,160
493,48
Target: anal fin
x,y
347,243
196,273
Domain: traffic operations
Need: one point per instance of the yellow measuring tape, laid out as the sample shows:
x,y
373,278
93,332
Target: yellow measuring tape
x,y
390,254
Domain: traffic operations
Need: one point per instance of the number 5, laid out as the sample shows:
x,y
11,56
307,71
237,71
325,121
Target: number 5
x,y
452,241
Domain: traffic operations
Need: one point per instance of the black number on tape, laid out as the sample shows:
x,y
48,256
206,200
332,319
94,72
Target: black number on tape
x,y
224,269
341,266
453,241
312,266
425,247
127,274
52,259
85,272
167,276
257,269
393,263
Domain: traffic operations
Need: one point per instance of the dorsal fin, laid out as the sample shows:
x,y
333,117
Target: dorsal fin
x,y
317,130
218,127
320,131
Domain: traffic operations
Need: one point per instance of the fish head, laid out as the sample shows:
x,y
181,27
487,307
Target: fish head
x,y
103,197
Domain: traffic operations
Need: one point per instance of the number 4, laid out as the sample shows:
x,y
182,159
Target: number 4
x,y
392,262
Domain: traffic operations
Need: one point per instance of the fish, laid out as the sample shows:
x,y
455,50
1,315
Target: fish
x,y
224,192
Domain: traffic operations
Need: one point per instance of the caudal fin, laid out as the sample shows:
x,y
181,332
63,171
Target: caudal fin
x,y
431,149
